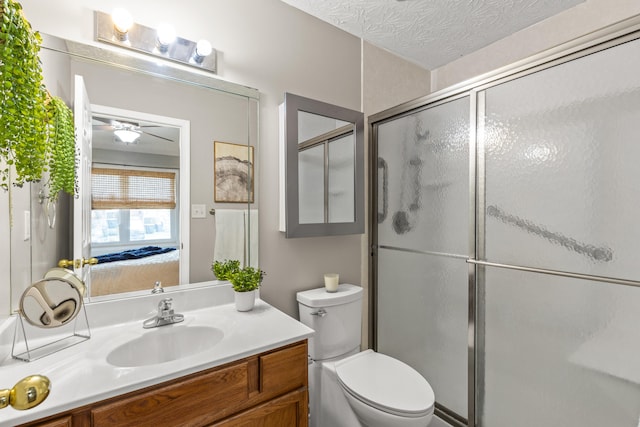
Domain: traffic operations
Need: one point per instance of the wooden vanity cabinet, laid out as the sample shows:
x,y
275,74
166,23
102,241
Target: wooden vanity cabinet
x,y
286,410
267,390
56,422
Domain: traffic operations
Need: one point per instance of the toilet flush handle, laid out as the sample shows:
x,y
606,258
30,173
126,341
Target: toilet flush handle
x,y
321,313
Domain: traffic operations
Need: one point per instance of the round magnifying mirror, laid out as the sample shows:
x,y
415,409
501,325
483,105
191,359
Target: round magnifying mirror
x,y
66,274
51,302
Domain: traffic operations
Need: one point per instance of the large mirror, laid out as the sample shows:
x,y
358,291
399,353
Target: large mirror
x,y
151,212
138,197
322,168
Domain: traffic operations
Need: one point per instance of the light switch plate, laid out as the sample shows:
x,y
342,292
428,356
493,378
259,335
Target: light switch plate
x,y
198,211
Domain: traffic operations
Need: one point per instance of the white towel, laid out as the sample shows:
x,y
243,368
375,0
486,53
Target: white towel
x,y
230,235
252,238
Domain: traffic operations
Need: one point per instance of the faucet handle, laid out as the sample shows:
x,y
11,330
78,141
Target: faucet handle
x,y
165,304
157,288
165,315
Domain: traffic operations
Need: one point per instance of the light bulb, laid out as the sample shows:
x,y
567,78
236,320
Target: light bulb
x,y
165,35
203,49
122,22
127,136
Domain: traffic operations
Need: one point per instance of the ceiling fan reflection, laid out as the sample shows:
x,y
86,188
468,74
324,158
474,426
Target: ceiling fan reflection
x,y
127,132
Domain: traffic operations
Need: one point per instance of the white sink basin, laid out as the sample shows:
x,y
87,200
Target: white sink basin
x,y
164,344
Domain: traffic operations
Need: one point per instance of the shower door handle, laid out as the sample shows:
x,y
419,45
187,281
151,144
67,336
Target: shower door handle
x,y
383,168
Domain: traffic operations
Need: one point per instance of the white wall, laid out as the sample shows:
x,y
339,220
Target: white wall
x,y
388,81
47,245
5,255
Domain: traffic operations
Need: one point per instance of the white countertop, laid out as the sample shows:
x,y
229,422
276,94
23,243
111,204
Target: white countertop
x,y
81,374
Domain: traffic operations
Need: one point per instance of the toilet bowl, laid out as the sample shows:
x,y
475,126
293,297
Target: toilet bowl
x,y
382,391
349,387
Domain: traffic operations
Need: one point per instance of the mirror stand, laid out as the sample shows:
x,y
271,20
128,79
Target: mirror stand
x,y
22,351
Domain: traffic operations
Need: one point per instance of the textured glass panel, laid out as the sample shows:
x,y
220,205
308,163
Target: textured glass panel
x,y
562,166
426,194
422,319
342,179
559,352
311,185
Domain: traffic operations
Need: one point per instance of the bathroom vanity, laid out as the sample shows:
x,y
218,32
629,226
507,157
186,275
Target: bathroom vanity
x,y
270,387
218,367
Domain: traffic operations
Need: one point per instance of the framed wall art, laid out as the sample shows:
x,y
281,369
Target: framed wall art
x,y
233,172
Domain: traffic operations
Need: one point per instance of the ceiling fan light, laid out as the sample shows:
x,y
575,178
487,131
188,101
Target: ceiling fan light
x,y
127,136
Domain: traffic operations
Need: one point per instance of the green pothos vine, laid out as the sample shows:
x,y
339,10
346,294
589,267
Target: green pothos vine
x,y
62,151
36,130
23,120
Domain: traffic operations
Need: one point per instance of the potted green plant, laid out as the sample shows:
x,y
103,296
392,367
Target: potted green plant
x,y
223,270
245,282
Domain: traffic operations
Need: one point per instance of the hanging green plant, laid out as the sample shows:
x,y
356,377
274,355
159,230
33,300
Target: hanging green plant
x,y
23,118
62,150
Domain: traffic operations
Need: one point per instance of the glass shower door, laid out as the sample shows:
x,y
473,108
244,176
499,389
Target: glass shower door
x,y
422,246
561,172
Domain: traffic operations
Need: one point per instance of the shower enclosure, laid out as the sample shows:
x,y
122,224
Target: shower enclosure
x,y
505,239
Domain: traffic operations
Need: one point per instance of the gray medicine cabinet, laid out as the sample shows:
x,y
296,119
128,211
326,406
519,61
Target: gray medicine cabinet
x,y
321,168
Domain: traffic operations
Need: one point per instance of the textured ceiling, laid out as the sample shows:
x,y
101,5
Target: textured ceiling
x,y
432,33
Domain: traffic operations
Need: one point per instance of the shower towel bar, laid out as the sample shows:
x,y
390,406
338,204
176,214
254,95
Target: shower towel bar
x,y
590,277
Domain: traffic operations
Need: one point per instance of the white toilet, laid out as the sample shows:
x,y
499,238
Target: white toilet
x,y
350,388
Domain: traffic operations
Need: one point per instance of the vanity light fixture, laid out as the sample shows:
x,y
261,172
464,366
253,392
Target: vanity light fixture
x,y
119,29
203,49
166,35
122,22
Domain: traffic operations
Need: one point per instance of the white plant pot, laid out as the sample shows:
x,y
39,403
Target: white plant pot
x,y
245,300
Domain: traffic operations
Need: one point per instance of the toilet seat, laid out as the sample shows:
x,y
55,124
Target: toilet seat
x,y
386,384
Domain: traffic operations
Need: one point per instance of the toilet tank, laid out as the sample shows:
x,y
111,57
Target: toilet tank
x,y
335,316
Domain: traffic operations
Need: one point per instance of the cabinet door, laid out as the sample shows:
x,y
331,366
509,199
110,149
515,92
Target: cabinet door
x,y
58,422
196,401
283,370
289,410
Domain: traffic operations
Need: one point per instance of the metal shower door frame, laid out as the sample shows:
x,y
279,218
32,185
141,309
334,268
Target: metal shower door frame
x,y
475,88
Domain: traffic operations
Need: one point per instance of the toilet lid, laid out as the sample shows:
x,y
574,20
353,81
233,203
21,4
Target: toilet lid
x,y
386,383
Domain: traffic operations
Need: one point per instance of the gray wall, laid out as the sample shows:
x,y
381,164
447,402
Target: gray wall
x,y
275,48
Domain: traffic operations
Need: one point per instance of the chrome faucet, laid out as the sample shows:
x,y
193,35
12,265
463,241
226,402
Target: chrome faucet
x,y
165,315
157,288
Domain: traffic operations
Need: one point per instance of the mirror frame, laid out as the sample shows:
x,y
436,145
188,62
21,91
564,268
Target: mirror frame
x,y
290,224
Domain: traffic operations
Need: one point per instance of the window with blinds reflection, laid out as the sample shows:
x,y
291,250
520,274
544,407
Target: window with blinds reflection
x,y
129,206
116,188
